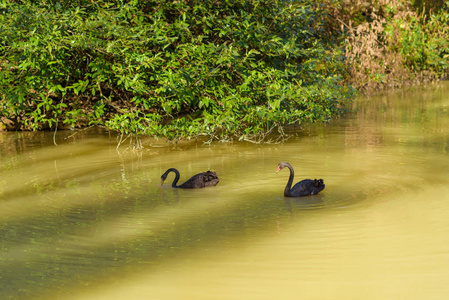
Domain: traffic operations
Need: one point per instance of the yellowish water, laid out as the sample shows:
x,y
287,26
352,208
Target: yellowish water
x,y
82,220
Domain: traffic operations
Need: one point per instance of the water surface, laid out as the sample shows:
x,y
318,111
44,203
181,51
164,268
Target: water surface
x,y
83,220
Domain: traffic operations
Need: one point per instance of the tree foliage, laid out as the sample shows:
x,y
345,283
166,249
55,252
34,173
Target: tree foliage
x,y
173,69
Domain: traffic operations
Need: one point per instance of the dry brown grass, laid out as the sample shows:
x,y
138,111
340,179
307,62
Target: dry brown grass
x,y
375,57
373,63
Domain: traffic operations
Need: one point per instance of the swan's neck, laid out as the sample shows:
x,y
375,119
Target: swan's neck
x,y
290,181
175,181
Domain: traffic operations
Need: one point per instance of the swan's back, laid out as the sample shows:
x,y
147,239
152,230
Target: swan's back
x,y
307,187
201,180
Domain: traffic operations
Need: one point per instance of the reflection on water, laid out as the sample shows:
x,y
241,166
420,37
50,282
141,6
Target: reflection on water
x,y
82,220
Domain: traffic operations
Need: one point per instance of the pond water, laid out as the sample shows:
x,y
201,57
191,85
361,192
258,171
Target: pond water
x,y
80,219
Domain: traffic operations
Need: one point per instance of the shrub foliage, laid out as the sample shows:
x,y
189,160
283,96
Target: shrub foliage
x,y
168,68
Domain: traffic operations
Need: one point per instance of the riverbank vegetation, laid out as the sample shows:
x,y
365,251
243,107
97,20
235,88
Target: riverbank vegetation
x,y
392,43
228,70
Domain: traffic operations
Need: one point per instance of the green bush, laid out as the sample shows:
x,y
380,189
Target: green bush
x,y
175,69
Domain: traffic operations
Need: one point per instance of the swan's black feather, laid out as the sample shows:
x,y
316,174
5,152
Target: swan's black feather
x,y
306,187
197,181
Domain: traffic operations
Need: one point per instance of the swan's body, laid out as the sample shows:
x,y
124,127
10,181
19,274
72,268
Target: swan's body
x,y
197,181
306,187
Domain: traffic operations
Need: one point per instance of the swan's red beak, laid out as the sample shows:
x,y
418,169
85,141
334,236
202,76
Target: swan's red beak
x,y
162,181
278,169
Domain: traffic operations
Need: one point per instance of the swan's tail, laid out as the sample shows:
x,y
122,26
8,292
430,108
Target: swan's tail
x,y
318,183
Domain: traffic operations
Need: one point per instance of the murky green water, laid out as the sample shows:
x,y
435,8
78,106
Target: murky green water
x,y
82,220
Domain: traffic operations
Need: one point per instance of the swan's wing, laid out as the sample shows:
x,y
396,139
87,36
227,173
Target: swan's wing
x,y
194,182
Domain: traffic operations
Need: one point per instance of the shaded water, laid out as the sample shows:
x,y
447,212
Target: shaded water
x,y
83,221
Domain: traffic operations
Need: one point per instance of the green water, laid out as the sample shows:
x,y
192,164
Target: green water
x,y
82,220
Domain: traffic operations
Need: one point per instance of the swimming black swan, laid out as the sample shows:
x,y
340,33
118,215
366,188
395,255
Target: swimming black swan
x,y
197,181
305,187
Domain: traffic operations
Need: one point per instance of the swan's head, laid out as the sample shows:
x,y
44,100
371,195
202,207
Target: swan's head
x,y
281,165
163,177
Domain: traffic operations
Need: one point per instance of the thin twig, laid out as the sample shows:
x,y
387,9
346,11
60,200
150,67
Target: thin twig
x,y
54,134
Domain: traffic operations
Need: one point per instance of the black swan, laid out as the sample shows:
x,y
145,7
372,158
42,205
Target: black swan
x,y
197,181
305,187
